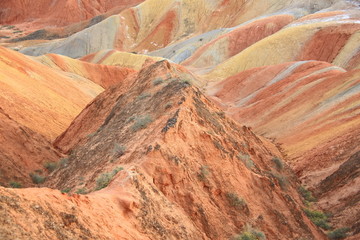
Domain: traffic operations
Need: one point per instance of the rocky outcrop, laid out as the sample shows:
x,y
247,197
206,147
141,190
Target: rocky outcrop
x,y
340,195
347,172
186,169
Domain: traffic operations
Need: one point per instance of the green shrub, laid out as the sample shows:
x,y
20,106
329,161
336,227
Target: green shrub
x,y
105,178
235,201
119,150
278,163
36,178
141,122
15,184
318,218
339,233
245,158
130,119
204,171
158,81
50,166
81,191
66,190
185,81
250,234
143,96
282,180
306,194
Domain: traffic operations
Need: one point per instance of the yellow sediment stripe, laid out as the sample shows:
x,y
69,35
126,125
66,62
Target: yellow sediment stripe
x,y
348,51
46,60
68,64
129,60
323,136
70,67
41,91
148,14
283,46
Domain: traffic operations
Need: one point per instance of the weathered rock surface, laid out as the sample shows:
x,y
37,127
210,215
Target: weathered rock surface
x,y
189,172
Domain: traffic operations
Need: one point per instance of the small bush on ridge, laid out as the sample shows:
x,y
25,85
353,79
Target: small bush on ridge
x,y
36,178
105,178
306,194
141,122
318,218
339,233
278,162
158,81
15,184
245,158
235,200
51,166
250,233
81,191
204,171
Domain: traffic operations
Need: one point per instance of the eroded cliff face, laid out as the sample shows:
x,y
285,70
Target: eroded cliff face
x,y
187,172
311,109
339,194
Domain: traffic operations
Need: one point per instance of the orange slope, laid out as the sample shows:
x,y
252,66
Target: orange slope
x,y
22,151
40,98
103,75
304,105
235,41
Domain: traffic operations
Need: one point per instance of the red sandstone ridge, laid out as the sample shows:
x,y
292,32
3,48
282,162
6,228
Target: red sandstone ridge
x,y
187,172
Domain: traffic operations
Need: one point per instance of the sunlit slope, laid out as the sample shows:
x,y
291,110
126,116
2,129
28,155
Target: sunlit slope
x,y
301,40
155,24
103,75
214,47
120,59
230,44
22,151
304,105
40,98
186,159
